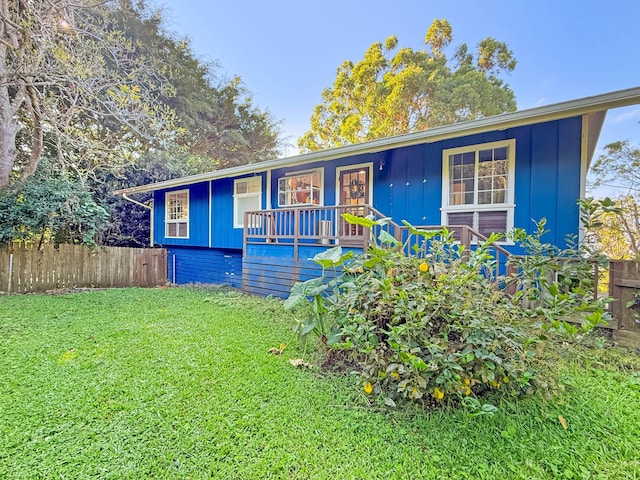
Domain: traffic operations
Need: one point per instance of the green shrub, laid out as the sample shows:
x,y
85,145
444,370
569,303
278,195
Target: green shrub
x,y
431,326
557,285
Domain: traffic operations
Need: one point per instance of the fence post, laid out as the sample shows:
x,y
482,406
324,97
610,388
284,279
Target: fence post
x,y
596,276
10,273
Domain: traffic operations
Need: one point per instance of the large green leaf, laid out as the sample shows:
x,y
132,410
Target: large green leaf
x,y
332,257
388,239
427,234
301,290
355,220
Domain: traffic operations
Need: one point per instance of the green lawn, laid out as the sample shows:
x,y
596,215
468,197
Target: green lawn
x,y
178,383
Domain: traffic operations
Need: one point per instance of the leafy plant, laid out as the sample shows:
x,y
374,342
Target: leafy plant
x,y
556,285
50,205
427,324
315,290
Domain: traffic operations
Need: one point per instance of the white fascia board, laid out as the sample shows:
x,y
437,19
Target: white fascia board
x,y
504,121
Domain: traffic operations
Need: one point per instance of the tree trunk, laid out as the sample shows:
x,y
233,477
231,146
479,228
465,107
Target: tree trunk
x,y
8,126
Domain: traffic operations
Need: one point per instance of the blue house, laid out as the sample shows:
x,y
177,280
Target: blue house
x,y
255,226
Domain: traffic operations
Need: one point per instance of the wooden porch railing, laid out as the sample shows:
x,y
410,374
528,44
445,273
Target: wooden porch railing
x,y
467,237
309,225
325,226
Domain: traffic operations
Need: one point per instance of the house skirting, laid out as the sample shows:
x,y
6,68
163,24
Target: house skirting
x,y
265,269
204,265
269,269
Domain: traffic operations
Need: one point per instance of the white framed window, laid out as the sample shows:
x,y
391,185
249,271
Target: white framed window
x,y
301,188
177,214
247,197
478,186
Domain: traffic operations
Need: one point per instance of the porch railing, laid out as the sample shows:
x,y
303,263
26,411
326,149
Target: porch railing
x,y
309,225
325,226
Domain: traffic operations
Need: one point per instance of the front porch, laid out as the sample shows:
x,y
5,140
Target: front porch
x,y
278,243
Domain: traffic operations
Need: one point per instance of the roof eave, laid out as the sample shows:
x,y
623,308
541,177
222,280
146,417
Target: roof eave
x,y
504,121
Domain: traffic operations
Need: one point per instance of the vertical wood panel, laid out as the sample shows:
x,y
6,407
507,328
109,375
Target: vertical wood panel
x,y
69,266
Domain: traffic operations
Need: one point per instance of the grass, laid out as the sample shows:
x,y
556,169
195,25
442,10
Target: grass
x,y
178,383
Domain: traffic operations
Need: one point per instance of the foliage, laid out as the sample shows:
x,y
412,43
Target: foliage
x,y
618,167
117,101
74,88
315,289
399,90
616,225
50,205
558,283
215,120
431,326
613,226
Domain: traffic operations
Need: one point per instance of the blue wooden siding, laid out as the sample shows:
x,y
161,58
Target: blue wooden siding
x,y
408,185
204,265
223,233
198,216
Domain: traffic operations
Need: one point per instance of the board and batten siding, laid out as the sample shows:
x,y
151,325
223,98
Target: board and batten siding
x,y
407,185
198,216
223,233
210,218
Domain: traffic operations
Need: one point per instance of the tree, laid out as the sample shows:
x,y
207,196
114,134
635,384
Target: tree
x,y
214,117
72,83
618,167
215,125
393,91
612,226
50,205
617,229
110,99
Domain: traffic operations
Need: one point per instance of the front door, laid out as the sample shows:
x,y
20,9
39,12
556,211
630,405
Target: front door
x,y
354,194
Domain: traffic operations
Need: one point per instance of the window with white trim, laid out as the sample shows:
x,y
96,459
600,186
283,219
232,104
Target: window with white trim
x,y
477,186
300,188
177,214
247,197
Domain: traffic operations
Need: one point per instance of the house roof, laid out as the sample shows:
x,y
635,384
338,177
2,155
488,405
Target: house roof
x,y
594,108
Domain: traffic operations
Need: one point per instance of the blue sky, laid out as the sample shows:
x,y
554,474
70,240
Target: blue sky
x,y
287,52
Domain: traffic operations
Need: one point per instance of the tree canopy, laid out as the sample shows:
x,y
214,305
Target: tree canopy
x,y
396,90
618,167
616,228
73,88
105,97
50,205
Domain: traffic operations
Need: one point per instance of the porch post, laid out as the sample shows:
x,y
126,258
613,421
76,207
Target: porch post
x,y
465,239
296,233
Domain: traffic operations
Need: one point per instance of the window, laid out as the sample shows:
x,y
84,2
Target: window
x,y
177,214
300,188
477,187
247,197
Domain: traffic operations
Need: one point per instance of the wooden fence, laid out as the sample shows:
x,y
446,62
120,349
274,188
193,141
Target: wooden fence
x,y
26,269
